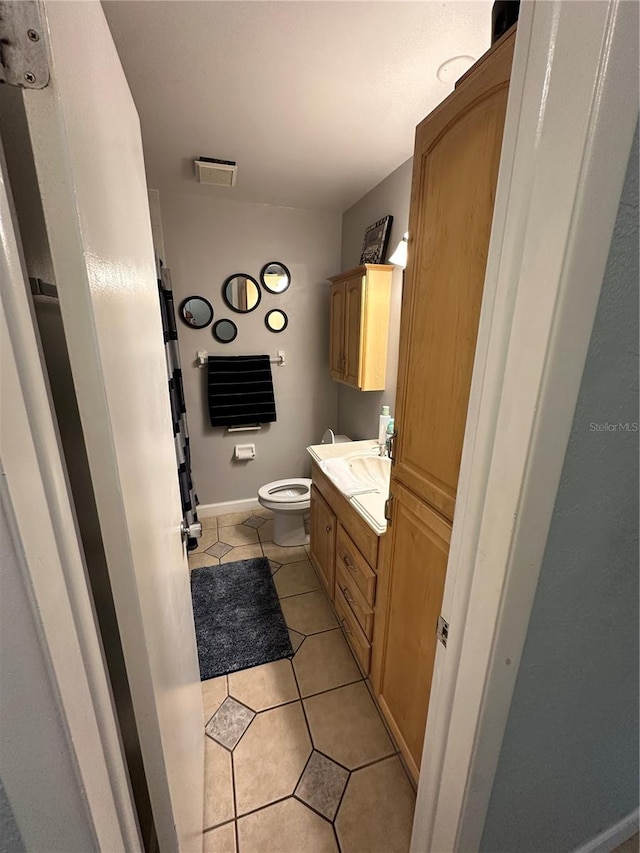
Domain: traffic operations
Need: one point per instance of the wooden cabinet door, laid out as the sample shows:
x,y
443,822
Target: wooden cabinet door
x,y
410,588
336,334
353,309
455,170
322,548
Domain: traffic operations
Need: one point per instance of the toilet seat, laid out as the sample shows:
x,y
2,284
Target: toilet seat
x,y
296,490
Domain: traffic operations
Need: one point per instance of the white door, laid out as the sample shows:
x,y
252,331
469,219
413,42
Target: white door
x,y
88,154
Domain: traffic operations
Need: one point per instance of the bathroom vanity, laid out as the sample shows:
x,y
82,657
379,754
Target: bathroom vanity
x,y
346,537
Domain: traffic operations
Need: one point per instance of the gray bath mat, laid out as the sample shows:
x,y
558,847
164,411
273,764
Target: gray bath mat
x,y
239,622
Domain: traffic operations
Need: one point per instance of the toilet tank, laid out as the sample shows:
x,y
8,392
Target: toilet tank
x,y
331,438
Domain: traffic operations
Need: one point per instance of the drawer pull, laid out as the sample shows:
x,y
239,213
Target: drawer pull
x,y
343,622
348,563
345,592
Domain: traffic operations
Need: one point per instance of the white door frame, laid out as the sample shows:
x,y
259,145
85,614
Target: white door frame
x,y
54,571
570,120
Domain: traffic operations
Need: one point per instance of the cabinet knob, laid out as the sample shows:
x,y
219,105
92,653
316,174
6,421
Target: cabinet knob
x,y
328,528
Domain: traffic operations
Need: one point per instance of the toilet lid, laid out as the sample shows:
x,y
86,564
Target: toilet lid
x,y
286,491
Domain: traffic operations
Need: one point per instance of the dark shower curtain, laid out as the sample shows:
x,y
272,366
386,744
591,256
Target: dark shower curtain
x,y
176,396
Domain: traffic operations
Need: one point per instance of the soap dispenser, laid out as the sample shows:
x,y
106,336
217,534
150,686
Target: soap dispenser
x,y
385,417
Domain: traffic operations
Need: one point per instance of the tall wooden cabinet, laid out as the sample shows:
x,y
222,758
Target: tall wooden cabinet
x,y
359,326
455,170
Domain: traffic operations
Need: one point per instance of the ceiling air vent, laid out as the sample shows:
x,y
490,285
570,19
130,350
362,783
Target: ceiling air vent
x,y
216,173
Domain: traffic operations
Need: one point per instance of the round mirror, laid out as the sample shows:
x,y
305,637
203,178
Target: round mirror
x,y
275,277
196,312
241,292
276,320
225,331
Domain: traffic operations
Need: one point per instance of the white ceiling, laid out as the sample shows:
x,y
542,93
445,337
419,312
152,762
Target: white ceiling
x,y
316,100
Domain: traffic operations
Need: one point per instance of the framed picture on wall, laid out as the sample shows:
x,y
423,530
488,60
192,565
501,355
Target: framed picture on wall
x,y
376,240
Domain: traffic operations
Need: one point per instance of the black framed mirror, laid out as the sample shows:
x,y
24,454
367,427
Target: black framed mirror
x,y
276,320
275,277
196,311
241,292
225,331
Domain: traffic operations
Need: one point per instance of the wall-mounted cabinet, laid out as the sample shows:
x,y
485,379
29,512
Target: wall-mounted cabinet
x,y
360,301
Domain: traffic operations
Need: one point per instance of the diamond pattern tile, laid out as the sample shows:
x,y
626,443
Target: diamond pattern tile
x,y
201,561
209,536
255,521
296,640
322,784
229,722
219,549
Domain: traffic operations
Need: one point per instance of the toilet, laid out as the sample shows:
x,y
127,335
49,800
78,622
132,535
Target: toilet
x,y
290,500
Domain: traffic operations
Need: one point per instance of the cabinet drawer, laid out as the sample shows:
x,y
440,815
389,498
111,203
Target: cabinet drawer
x,y
349,558
360,645
353,596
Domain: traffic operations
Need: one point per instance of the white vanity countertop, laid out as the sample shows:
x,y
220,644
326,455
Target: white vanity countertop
x,y
320,452
369,506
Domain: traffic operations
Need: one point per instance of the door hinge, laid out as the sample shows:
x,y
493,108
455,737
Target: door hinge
x,y
443,630
23,49
388,509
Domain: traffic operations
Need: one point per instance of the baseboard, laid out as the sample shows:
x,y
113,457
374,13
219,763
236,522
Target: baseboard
x,y
612,837
207,510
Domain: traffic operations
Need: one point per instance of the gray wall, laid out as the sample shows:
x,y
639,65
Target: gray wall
x,y
208,239
358,411
568,768
43,808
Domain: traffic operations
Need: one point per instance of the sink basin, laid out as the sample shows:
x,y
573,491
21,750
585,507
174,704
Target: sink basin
x,y
374,471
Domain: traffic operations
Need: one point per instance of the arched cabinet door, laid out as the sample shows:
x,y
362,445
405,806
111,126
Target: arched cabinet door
x,y
455,172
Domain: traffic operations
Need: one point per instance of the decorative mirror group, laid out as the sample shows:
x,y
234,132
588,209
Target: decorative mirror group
x,y
196,311
242,294
275,277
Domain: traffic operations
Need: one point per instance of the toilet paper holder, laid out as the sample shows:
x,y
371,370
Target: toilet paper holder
x,y
244,452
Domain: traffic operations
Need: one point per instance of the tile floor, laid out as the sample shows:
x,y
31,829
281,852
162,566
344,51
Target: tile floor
x,y
297,757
